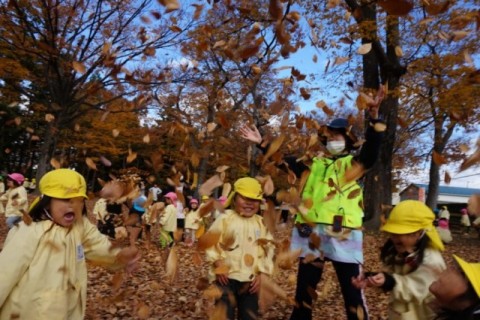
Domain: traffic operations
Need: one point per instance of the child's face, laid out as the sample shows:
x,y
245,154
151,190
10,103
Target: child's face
x,y
194,205
450,285
405,243
63,211
246,207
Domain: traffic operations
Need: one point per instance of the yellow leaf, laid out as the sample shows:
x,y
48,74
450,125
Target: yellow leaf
x,y
143,311
268,186
79,67
365,48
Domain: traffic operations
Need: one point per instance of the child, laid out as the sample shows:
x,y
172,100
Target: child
x,y
16,197
412,261
241,251
168,220
44,273
192,222
457,291
444,230
465,221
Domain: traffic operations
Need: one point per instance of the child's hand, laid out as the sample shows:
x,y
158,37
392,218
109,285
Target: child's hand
x,y
251,134
255,284
375,104
359,282
129,257
222,279
376,280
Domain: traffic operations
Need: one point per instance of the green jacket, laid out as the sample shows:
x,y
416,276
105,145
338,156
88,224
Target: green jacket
x,y
330,195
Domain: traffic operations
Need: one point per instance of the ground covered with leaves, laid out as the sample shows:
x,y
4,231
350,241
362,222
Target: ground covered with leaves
x,y
150,292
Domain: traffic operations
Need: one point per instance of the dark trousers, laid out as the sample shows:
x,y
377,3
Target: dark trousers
x,y
307,279
235,294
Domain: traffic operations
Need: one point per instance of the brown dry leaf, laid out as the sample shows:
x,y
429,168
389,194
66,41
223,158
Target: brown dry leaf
x,y
170,5
209,239
194,160
126,255
365,48
171,266
212,292
131,156
54,163
275,9
113,190
268,293
221,169
438,159
380,127
198,11
271,217
206,208
459,35
146,138
288,259
355,172
221,269
117,281
474,159
314,241
115,133
90,163
396,7
268,186
79,67
398,51
273,147
143,311
447,179
49,117
436,8
248,259
211,184
354,193
305,94
473,206
339,60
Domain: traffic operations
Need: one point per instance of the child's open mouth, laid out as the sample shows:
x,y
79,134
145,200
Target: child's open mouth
x,y
69,217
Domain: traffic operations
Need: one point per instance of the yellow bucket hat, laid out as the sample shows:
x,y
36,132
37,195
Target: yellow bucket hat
x,y
472,271
410,216
247,187
63,184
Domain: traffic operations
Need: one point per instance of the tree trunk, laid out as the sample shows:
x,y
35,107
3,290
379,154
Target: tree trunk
x,y
46,151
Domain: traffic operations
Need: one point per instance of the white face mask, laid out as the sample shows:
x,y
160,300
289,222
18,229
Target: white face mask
x,y
335,147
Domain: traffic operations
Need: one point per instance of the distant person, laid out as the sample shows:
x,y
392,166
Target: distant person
x,y
168,220
465,221
156,192
443,230
2,191
444,213
16,199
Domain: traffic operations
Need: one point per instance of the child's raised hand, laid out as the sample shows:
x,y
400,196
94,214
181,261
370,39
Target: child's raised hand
x,y
129,257
251,134
375,104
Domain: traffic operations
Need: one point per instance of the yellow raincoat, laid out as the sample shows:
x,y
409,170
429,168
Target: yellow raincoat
x,y
43,269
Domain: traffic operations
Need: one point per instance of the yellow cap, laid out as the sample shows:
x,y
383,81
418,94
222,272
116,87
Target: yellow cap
x,y
63,184
472,271
411,215
205,197
247,187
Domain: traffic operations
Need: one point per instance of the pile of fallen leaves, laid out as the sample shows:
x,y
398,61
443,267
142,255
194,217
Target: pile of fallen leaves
x,y
153,292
